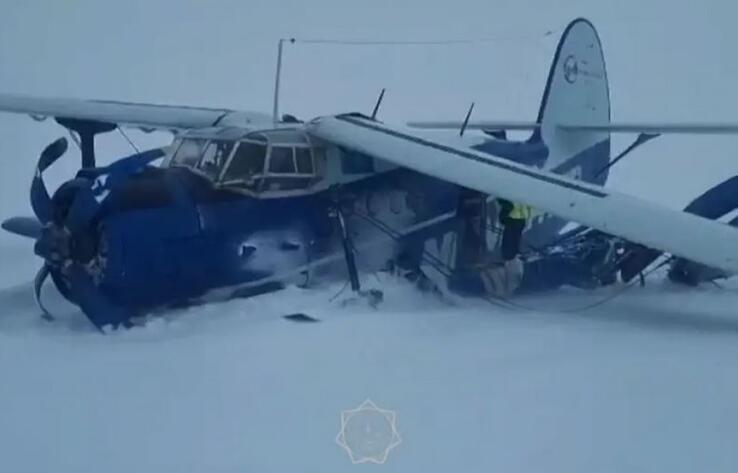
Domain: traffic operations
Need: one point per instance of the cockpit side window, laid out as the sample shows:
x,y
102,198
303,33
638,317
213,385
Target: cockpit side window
x,y
215,156
304,161
247,162
281,160
189,153
268,163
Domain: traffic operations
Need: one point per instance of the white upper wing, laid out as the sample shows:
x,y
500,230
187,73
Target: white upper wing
x,y
130,114
696,238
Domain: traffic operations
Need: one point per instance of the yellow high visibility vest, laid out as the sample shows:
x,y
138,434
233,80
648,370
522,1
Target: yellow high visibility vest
x,y
520,212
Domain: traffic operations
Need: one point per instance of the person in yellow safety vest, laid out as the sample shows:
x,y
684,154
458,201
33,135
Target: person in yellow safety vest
x,y
513,217
520,212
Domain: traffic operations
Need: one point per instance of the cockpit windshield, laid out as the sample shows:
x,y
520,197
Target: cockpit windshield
x,y
247,162
189,152
215,156
273,160
281,160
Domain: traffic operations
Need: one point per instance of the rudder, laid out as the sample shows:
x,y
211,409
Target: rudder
x,y
576,91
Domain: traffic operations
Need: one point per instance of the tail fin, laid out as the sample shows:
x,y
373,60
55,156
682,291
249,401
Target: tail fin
x,y
576,92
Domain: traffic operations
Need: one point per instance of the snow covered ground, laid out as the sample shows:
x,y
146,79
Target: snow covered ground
x,y
645,382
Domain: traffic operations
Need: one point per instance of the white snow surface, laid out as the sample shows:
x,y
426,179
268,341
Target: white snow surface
x,y
646,382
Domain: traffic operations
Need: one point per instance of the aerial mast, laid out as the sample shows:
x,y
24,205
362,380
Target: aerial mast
x,y
278,75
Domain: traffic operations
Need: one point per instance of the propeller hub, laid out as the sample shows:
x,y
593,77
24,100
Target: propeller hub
x,y
57,245
54,245
71,239
66,239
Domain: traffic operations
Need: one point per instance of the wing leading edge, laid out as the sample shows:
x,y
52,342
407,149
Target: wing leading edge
x,y
136,115
611,212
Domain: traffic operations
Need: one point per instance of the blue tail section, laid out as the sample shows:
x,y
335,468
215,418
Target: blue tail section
x,y
713,204
576,91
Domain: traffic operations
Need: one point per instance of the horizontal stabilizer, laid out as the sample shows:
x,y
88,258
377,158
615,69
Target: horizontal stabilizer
x,y
475,125
682,234
661,128
651,128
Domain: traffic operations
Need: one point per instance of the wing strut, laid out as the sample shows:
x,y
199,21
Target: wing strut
x,y
348,251
86,129
372,296
642,138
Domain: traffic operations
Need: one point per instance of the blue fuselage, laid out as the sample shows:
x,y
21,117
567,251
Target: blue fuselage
x,y
172,237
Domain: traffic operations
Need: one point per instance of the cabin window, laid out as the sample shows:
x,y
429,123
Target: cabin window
x,y
304,161
188,153
281,160
265,162
290,168
215,156
247,161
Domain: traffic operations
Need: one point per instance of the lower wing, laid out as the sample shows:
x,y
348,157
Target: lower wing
x,y
682,234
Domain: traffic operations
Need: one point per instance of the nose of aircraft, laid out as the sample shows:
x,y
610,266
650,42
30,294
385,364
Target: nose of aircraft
x,y
67,238
59,247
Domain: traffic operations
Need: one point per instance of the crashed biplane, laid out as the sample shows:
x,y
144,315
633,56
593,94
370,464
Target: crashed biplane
x,y
242,203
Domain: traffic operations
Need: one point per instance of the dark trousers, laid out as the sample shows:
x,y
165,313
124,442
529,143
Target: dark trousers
x,y
512,232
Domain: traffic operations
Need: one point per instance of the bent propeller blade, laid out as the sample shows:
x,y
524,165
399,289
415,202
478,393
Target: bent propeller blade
x,y
40,199
38,284
28,227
